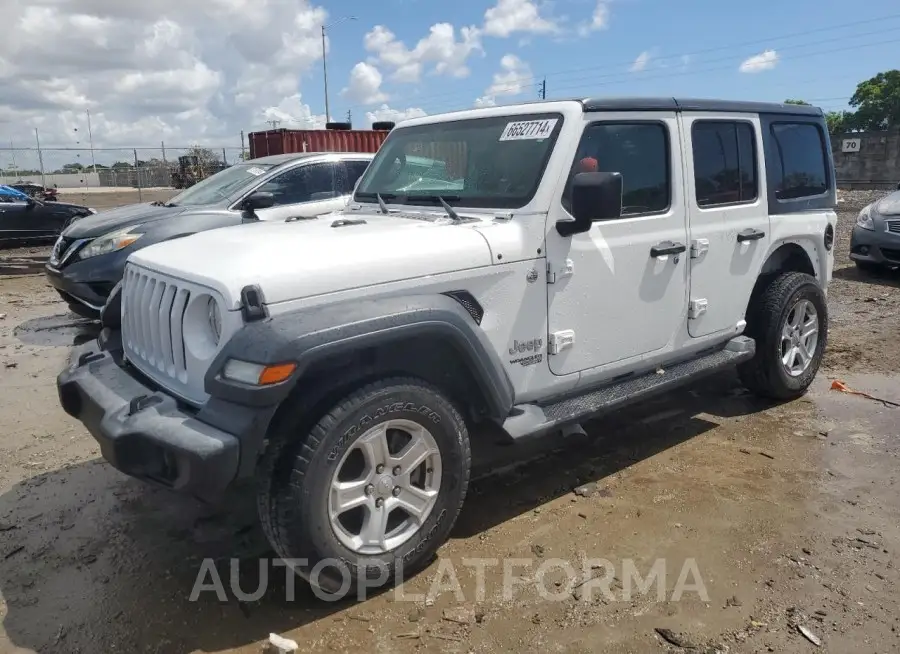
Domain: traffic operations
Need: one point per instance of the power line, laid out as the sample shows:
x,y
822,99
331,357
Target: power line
x,y
717,68
626,76
517,83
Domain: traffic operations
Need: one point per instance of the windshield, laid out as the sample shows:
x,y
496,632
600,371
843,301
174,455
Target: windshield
x,y
220,186
481,162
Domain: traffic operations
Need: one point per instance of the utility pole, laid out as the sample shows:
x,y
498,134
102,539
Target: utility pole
x,y
274,123
91,141
325,75
242,146
15,168
349,117
40,157
325,64
543,90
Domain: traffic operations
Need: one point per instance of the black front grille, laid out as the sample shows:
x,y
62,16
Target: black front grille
x,y
893,255
893,226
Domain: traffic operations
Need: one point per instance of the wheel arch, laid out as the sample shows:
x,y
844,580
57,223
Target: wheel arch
x,y
342,346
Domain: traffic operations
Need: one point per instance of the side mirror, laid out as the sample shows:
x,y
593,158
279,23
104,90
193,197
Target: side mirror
x,y
258,200
323,195
31,203
595,196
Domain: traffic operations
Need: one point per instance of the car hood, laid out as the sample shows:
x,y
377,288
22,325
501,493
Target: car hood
x,y
111,219
890,205
293,260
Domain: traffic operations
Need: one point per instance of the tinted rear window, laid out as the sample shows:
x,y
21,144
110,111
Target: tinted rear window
x,y
800,160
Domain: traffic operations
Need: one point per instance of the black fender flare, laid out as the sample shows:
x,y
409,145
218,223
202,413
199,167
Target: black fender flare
x,y
310,335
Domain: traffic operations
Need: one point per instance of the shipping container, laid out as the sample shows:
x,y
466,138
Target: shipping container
x,y
284,141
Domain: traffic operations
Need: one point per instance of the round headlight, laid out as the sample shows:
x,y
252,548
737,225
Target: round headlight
x,y
214,314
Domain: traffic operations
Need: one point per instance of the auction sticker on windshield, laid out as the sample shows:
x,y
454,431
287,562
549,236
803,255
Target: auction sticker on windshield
x,y
256,172
528,129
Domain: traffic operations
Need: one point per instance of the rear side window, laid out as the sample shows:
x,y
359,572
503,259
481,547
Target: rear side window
x,y
800,169
724,162
639,151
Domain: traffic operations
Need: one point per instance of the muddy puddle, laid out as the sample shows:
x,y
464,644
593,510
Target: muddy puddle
x,y
63,330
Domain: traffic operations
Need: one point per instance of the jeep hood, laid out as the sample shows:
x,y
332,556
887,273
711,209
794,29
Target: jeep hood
x,y
292,260
111,219
890,205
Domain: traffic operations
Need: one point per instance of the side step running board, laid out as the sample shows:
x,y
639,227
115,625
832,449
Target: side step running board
x,y
534,420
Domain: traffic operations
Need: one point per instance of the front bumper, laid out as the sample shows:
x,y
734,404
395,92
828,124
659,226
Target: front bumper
x,y
143,432
875,246
86,284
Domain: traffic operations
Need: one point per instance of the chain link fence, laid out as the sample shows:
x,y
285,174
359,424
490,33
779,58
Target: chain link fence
x,y
141,168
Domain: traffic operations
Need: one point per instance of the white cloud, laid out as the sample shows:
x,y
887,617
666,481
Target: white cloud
x,y
295,114
512,79
179,71
757,63
384,112
440,50
641,62
365,85
599,19
509,16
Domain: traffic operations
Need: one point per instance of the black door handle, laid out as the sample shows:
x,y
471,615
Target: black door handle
x,y
667,247
750,235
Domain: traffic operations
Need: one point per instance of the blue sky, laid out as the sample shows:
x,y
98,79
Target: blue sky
x,y
820,50
201,72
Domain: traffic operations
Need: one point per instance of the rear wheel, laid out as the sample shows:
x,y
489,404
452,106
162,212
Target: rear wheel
x,y
788,320
372,491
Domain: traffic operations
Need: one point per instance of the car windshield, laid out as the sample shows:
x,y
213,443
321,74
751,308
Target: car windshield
x,y
480,162
221,186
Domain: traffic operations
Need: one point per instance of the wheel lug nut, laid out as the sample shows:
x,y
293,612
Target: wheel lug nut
x,y
370,490
379,502
379,469
396,470
396,491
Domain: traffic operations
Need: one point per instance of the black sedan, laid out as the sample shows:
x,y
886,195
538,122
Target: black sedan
x,y
25,219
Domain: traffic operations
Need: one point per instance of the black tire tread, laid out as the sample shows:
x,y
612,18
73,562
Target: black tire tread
x,y
756,374
276,512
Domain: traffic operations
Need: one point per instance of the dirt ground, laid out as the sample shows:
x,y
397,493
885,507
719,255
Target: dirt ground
x,y
786,517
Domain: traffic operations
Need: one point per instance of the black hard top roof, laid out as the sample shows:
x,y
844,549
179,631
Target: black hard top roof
x,y
694,104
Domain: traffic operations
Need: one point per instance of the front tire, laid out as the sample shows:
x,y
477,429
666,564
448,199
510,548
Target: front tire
x,y
372,491
788,320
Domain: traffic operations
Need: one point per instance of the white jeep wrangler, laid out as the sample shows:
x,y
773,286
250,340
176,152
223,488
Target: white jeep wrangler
x,y
525,267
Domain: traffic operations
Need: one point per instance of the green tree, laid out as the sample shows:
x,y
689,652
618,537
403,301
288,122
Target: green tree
x,y
803,102
877,102
840,122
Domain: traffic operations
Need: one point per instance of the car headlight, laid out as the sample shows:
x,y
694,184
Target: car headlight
x,y
864,219
112,242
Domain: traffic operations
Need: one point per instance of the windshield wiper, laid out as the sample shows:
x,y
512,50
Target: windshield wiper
x,y
438,198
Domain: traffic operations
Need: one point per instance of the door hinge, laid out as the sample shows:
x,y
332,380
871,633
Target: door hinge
x,y
568,269
699,246
561,340
697,308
